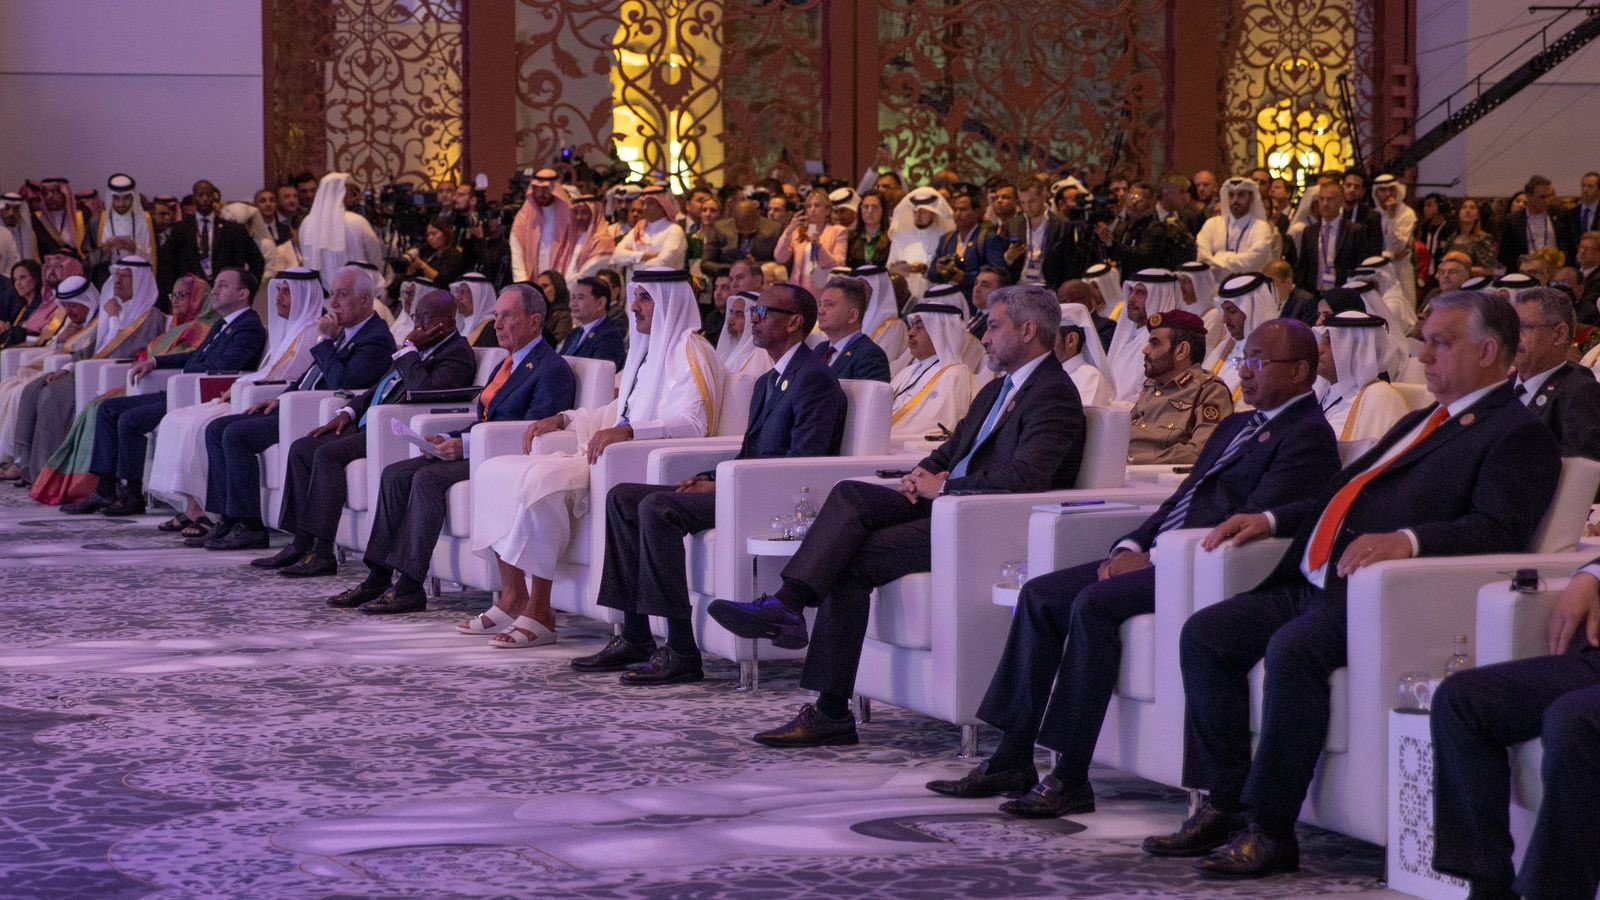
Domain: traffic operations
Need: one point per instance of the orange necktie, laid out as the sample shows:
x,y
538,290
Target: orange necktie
x,y
495,384
1333,517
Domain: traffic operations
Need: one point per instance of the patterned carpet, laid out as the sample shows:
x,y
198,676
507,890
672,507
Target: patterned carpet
x,y
175,724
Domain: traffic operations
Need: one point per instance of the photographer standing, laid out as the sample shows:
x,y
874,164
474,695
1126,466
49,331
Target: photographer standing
x,y
440,261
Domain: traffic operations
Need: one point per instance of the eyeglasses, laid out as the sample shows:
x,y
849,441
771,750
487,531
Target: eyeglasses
x,y
1252,364
761,310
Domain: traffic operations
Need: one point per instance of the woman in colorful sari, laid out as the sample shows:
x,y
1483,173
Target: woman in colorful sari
x,y
128,320
178,474
65,477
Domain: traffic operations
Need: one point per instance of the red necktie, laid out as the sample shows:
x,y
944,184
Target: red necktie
x,y
827,355
1332,520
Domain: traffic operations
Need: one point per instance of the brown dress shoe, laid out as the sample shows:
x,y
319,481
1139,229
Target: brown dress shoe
x,y
1051,799
1252,854
981,782
811,729
1201,833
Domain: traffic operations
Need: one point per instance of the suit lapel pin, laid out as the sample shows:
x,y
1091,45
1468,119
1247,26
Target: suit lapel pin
x,y
1468,419
783,385
1542,400
528,365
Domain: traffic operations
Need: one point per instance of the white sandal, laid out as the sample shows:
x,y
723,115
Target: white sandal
x,y
498,618
518,635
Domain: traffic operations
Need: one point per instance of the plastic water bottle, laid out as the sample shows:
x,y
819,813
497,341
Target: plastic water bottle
x,y
1459,660
804,513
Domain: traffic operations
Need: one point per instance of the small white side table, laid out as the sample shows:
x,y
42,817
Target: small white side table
x,y
1006,596
770,548
1410,851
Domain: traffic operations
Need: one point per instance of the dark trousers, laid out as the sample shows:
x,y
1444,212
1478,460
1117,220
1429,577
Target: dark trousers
x,y
1477,714
233,475
644,569
410,513
865,536
1300,631
121,435
1066,634
314,486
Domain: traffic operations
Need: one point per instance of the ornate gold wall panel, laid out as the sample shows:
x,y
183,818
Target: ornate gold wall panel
x,y
390,100
1281,90
564,59
1000,87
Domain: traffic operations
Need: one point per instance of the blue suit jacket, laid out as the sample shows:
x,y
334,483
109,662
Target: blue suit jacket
x,y
357,365
1288,460
798,413
606,342
541,386
1479,484
863,359
229,347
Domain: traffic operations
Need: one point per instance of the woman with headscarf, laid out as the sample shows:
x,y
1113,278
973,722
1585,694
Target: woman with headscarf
x,y
921,219
1244,302
65,476
656,239
813,243
736,345
881,323
1358,404
1144,293
670,389
592,246
933,391
127,320
332,236
181,462
475,296
1086,367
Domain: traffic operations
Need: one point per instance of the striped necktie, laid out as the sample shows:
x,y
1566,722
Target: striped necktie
x,y
1235,447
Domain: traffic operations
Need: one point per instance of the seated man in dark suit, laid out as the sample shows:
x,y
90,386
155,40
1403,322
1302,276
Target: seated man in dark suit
x,y
434,357
1084,606
1024,432
848,352
533,383
1470,475
593,336
798,409
1561,394
1479,714
122,429
353,354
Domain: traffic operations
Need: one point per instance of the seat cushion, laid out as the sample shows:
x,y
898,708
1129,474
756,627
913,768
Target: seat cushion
x,y
902,613
355,485
701,547
1338,740
458,510
1136,679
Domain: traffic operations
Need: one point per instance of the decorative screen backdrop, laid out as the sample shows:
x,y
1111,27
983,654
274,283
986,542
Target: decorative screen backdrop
x,y
564,59
1282,89
369,87
1003,87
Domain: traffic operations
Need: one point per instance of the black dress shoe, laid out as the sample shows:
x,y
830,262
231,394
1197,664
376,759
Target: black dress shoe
x,y
284,558
90,504
357,596
811,729
131,503
216,534
980,782
764,617
393,604
1051,799
240,538
310,566
1201,833
1252,854
665,666
615,656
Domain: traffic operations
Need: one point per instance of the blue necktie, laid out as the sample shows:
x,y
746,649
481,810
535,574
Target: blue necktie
x,y
988,426
378,394
1235,447
574,341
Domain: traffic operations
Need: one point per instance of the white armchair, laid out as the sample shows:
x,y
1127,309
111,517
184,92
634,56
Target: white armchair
x,y
154,381
1401,613
12,359
453,558
93,377
299,413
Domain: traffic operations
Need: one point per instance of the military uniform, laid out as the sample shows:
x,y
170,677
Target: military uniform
x,y
1173,418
